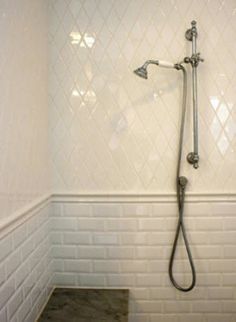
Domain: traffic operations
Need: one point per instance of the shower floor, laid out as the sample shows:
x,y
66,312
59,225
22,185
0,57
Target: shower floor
x,y
86,305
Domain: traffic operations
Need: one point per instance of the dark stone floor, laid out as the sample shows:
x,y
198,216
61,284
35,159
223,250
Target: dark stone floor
x,y
86,305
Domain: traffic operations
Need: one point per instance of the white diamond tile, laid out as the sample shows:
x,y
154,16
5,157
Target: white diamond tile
x,y
114,131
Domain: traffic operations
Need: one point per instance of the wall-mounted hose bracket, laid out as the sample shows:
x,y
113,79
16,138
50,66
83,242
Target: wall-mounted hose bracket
x,y
193,158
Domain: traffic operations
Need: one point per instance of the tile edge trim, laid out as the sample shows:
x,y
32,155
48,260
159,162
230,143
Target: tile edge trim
x,y
20,216
106,197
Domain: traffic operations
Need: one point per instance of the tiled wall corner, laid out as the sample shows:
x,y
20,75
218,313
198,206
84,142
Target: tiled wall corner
x,y
128,245
26,268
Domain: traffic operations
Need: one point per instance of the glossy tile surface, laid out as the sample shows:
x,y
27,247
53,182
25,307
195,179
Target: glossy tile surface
x,y
112,131
86,305
23,104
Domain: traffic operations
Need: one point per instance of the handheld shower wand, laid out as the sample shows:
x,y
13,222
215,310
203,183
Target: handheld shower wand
x,y
142,71
193,157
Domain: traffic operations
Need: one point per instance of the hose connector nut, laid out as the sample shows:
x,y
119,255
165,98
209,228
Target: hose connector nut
x,y
183,181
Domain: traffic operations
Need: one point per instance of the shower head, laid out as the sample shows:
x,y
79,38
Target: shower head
x,y
142,71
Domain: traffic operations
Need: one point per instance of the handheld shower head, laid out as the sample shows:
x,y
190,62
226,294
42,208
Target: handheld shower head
x,y
142,71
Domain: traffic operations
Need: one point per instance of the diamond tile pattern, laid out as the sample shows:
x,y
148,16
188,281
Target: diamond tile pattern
x,y
112,131
24,145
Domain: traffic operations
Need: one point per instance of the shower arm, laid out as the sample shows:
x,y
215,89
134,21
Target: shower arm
x,y
191,35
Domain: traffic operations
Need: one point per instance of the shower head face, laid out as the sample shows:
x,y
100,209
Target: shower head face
x,y
141,72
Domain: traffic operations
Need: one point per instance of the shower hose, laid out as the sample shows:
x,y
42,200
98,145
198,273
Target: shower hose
x,y
181,183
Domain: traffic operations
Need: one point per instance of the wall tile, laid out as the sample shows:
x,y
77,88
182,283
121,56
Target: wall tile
x,y
112,131
24,162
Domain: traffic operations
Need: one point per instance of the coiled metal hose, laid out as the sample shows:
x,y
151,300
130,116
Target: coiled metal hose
x,y
181,183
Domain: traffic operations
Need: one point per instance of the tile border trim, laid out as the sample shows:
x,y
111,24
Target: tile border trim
x,y
11,222
106,197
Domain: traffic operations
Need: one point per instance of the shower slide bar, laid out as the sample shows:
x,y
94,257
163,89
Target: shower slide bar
x,y
191,35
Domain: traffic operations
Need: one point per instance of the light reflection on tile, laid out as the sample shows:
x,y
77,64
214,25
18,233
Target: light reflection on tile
x,y
94,48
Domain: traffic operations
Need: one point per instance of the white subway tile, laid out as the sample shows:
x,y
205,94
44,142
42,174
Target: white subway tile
x,y
2,274
160,238
56,209
136,210
121,252
218,317
143,252
105,239
3,315
56,237
193,317
198,293
58,265
29,283
121,224
91,280
208,224
14,303
86,252
77,209
223,209
106,266
64,251
198,209
209,280
19,235
77,238
229,223
63,224
32,225
229,307
139,294
157,266
24,309
220,293
223,237
133,238
206,306
136,266
146,280
139,317
106,210
162,293
229,279
166,318
27,248
163,210
64,279
229,251
149,307
177,306
222,265
209,252
90,224
121,280
6,246
151,224
21,274
12,263
7,290
77,266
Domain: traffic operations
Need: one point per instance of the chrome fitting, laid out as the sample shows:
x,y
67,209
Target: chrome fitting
x,y
193,158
